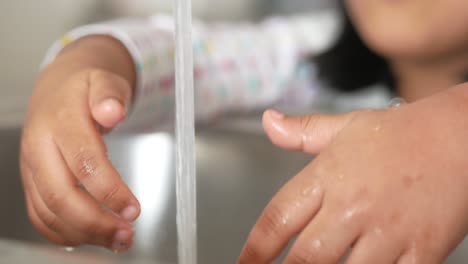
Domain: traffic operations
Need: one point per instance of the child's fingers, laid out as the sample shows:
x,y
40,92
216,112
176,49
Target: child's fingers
x,y
410,258
52,223
109,98
83,149
325,240
52,226
52,236
65,199
41,227
375,247
286,215
85,153
47,223
310,134
417,255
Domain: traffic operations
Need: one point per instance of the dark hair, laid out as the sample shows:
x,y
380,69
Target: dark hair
x,y
349,65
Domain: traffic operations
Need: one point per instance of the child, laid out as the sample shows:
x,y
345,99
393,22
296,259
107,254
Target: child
x,y
388,183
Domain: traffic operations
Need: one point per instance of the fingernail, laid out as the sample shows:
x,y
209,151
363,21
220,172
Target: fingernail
x,y
110,105
130,213
276,114
121,240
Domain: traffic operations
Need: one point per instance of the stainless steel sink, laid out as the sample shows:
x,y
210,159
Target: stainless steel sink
x,y
238,172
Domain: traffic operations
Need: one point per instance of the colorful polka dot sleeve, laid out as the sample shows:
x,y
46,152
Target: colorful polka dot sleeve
x,y
238,67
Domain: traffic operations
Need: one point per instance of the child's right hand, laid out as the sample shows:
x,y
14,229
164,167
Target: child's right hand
x,y
62,151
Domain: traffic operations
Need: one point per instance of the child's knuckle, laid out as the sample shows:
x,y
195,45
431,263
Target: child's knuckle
x,y
86,165
272,223
51,221
54,201
303,254
99,76
91,227
309,122
251,253
110,192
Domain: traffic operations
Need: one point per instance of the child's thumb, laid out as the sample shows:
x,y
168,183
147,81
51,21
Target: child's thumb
x,y
310,134
109,100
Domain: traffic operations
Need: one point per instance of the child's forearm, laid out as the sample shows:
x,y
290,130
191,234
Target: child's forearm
x,y
93,52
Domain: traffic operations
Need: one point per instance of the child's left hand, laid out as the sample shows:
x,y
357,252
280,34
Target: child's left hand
x,y
390,185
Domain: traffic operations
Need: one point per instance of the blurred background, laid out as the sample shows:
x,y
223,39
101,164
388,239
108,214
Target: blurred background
x,y
29,27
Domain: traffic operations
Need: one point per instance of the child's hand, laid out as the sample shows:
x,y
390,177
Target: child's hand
x,y
62,148
390,185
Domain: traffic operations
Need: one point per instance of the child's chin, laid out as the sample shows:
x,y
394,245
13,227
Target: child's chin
x,y
400,46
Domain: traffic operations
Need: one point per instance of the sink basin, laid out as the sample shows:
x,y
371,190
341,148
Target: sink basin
x,y
238,172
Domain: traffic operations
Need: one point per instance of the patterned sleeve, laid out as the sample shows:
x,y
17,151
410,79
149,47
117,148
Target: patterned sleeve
x,y
238,67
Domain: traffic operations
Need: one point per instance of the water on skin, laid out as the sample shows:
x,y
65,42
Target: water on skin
x,y
308,193
285,219
378,231
349,214
393,104
69,249
311,190
317,244
396,102
307,190
298,204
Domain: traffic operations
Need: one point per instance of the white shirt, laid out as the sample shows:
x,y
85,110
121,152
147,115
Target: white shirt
x,y
238,67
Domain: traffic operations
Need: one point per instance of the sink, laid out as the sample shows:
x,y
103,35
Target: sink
x,y
238,172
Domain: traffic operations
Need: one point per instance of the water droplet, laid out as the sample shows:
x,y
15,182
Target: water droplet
x,y
285,219
378,231
317,191
311,190
317,244
349,214
378,128
307,190
340,176
396,102
69,249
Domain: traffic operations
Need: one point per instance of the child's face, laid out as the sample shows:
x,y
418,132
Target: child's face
x,y
412,29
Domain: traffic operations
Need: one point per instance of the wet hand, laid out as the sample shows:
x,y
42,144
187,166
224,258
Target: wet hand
x,y
62,151
389,186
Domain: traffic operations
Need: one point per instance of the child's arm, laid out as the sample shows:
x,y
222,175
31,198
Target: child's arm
x,y
388,185
84,91
239,67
